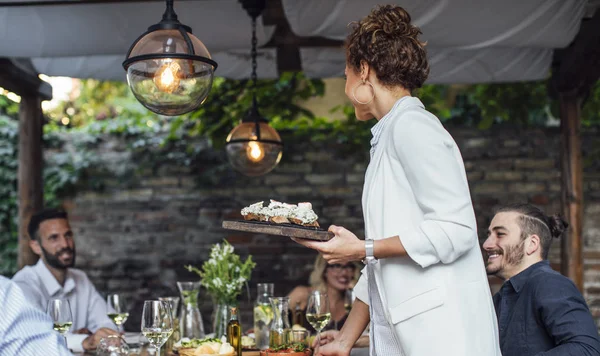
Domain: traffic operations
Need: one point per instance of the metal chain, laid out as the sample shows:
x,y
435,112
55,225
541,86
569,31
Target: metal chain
x,y
254,53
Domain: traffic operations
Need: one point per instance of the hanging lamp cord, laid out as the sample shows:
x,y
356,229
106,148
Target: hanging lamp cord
x,y
254,54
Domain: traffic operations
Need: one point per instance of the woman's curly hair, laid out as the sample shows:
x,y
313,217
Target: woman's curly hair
x,y
388,42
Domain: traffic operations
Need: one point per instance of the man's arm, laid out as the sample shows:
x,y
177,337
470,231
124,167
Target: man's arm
x,y
25,330
567,318
97,309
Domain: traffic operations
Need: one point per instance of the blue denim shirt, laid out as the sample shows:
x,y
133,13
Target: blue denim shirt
x,y
541,312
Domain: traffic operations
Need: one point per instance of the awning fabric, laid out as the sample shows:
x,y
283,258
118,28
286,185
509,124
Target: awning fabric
x,y
468,41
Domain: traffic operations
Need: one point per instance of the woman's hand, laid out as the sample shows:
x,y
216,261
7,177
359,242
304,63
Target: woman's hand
x,y
344,247
325,338
329,346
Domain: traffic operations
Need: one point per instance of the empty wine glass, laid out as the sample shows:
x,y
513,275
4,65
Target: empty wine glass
x,y
60,312
317,313
157,323
117,310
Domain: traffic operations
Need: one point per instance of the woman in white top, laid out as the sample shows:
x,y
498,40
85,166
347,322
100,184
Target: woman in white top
x,y
424,288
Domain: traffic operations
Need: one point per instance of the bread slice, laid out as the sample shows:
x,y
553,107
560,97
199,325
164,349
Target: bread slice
x,y
279,220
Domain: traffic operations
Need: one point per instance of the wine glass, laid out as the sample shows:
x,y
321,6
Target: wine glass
x,y
117,310
317,313
157,323
60,312
349,300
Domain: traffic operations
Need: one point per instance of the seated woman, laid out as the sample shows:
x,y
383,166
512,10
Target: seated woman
x,y
335,280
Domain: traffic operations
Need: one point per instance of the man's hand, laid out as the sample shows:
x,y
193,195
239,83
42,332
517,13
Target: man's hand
x,y
344,247
91,342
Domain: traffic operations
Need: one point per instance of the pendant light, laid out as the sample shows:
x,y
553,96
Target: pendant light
x,y
253,147
169,70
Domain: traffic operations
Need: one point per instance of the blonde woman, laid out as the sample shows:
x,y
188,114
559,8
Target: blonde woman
x,y
333,279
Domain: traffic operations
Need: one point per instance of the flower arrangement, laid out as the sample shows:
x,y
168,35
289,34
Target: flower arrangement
x,y
224,274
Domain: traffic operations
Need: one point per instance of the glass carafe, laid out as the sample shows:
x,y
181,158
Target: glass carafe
x,y
263,314
190,319
175,336
280,325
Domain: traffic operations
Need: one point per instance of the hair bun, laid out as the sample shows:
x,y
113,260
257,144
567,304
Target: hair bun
x,y
393,21
557,225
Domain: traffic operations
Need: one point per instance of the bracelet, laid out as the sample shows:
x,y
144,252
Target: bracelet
x,y
369,250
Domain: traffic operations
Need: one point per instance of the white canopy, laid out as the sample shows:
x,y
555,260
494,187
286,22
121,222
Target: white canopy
x,y
468,41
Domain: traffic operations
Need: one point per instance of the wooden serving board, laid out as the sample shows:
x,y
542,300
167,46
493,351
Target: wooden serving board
x,y
290,230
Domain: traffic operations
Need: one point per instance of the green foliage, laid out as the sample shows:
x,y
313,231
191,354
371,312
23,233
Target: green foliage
x,y
95,100
230,100
224,274
8,107
8,196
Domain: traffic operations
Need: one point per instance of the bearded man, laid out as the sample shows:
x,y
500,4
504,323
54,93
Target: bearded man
x,y
540,312
53,277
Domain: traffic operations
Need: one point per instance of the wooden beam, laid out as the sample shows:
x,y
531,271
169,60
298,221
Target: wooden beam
x,y
577,67
20,78
286,42
30,186
572,187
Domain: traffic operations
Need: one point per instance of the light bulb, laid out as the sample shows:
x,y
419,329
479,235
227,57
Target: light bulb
x,y
166,78
254,152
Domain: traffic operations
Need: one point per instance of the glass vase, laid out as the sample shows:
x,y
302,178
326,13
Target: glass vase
x,y
221,316
190,319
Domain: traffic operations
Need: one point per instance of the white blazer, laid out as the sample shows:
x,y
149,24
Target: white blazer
x,y
437,299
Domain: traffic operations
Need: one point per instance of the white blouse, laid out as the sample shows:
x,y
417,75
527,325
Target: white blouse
x,y
437,300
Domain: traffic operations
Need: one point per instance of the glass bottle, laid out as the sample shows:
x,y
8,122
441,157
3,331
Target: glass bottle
x,y
280,325
297,316
263,314
190,319
234,332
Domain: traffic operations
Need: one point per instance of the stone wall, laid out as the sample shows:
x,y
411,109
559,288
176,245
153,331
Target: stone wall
x,y
135,236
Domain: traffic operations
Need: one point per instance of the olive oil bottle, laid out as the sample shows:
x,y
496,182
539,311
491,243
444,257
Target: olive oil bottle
x,y
234,332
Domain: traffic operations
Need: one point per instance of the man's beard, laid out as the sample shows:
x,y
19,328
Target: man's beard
x,y
512,256
54,261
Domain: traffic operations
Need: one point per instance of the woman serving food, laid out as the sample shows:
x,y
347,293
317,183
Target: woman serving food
x,y
424,288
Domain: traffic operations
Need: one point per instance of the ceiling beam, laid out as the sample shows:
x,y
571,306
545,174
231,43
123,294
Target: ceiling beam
x,y
286,42
21,78
72,2
577,67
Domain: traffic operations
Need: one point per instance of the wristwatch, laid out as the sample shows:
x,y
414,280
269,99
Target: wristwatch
x,y
369,250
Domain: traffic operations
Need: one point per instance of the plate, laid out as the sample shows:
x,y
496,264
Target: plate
x,y
288,230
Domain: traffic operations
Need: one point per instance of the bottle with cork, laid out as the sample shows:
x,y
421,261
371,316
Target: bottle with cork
x,y
234,332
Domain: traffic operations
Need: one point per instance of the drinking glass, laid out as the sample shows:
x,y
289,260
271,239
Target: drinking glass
x,y
157,323
117,310
112,345
317,313
60,312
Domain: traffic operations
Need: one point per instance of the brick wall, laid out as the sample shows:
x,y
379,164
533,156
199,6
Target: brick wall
x,y
135,235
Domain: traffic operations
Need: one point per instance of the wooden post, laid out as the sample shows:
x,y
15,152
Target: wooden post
x,y
31,189
572,188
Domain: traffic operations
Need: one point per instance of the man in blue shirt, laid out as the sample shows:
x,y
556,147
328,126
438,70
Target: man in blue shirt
x,y
540,312
24,330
